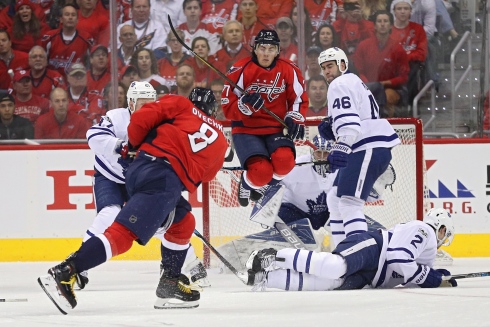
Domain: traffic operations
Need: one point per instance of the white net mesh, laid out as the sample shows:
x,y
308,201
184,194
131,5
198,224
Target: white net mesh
x,y
229,221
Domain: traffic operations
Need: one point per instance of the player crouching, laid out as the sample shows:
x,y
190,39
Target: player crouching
x,y
403,255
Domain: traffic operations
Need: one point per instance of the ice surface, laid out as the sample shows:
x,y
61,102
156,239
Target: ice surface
x,y
121,293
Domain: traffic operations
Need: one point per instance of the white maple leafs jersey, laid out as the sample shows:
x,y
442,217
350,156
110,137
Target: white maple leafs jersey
x,y
409,251
354,112
306,189
102,139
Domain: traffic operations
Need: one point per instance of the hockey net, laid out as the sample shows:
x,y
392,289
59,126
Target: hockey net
x,y
224,220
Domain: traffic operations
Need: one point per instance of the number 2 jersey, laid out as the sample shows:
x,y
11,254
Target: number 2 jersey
x,y
354,112
174,129
281,86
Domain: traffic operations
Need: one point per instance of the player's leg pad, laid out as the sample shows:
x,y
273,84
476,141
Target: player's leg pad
x,y
282,161
176,293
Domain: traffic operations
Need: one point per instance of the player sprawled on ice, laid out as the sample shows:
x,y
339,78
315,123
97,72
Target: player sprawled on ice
x,y
403,255
179,146
266,154
109,141
362,151
301,197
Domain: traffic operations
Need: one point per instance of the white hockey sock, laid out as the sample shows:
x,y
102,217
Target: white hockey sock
x,y
336,222
104,219
289,280
322,264
351,211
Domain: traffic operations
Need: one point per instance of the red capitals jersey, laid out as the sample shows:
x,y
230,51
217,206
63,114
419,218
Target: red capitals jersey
x,y
192,142
376,65
96,25
74,127
204,74
168,68
413,40
96,84
351,34
270,10
323,12
228,59
31,109
250,32
43,85
216,13
282,88
62,53
19,61
89,105
26,43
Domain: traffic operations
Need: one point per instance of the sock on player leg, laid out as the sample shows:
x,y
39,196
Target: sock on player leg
x,y
336,222
289,280
102,221
351,211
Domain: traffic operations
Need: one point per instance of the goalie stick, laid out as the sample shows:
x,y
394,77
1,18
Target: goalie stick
x,y
273,115
470,275
242,276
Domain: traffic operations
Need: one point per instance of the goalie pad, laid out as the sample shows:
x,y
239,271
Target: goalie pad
x,y
238,251
265,210
386,180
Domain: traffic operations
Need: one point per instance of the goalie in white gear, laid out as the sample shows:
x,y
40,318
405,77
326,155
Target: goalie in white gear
x,y
108,139
362,151
403,255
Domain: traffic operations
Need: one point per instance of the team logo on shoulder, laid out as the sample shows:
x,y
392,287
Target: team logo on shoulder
x,y
233,69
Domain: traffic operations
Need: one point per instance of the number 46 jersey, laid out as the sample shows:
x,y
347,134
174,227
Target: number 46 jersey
x,y
354,112
174,129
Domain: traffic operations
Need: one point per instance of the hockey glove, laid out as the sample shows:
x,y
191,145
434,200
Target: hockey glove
x,y
325,129
250,103
296,125
122,149
435,279
447,282
339,156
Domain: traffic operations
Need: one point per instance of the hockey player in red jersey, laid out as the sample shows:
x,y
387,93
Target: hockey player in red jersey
x,y
266,154
180,146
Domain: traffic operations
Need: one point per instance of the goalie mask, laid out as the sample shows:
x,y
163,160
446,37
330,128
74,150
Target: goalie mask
x,y
437,219
323,147
140,90
204,99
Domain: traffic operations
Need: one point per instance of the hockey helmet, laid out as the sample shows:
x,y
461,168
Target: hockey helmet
x,y
140,90
204,99
266,37
336,54
323,147
437,219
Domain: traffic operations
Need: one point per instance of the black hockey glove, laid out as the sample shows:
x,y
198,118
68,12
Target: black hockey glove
x,y
325,129
250,103
296,125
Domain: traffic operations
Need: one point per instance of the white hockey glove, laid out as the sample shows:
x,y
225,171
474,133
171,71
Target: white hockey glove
x,y
296,125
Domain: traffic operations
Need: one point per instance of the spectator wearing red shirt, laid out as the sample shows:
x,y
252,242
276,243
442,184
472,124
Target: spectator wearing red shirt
x,y
322,11
7,14
10,59
353,28
215,13
233,48
94,22
127,37
99,74
128,74
413,39
269,10
285,31
27,105
26,30
383,65
89,105
68,44
167,66
252,25
59,122
44,80
204,74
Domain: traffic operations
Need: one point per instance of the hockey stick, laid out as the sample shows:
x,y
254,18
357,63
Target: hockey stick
x,y
309,163
13,300
470,275
273,115
242,276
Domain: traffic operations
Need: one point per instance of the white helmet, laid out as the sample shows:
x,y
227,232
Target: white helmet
x,y
139,90
438,218
336,54
323,147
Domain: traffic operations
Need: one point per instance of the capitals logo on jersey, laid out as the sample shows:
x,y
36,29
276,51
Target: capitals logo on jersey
x,y
271,89
319,205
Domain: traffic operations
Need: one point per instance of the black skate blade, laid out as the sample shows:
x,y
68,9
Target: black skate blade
x,y
50,297
173,303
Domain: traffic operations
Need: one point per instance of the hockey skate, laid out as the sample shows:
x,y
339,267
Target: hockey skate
x,y
243,194
261,260
256,195
58,286
82,278
176,293
195,271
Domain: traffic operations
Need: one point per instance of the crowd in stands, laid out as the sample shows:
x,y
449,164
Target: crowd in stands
x,y
55,67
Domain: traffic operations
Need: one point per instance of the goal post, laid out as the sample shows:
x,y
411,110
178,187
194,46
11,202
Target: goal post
x,y
224,220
